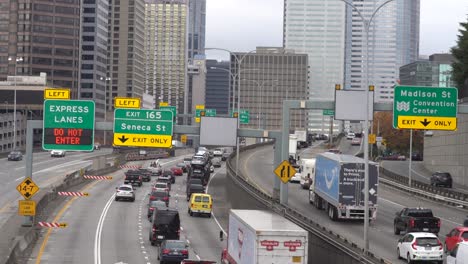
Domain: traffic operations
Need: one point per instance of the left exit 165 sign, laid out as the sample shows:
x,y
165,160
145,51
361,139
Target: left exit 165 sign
x,y
68,125
143,128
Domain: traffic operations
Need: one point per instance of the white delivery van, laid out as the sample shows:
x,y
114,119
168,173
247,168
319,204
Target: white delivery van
x,y
459,255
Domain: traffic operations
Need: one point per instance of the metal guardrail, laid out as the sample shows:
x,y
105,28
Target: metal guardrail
x,y
423,189
339,242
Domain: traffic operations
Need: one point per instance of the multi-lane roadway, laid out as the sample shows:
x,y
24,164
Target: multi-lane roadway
x,y
101,230
257,165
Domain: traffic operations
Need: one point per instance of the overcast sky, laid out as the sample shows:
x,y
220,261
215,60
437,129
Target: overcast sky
x,y
241,25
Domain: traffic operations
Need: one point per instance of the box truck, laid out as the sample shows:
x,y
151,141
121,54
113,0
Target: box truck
x,y
338,186
257,237
293,146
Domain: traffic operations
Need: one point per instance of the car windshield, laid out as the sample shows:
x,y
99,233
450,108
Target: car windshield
x,y
181,165
125,188
444,175
427,241
160,185
15,153
175,244
163,179
464,235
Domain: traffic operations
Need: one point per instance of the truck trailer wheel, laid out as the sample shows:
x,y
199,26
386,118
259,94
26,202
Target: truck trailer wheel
x,y
332,212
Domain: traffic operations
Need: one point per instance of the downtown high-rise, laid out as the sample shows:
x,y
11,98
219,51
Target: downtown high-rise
x,y
126,49
333,36
166,51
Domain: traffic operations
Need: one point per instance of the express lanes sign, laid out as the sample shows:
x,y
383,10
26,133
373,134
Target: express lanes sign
x,y
143,128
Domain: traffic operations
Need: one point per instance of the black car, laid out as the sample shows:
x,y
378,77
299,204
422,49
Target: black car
x,y
169,173
165,224
173,251
15,155
194,188
416,156
441,179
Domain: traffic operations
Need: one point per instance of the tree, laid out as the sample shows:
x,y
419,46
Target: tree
x,y
460,66
397,140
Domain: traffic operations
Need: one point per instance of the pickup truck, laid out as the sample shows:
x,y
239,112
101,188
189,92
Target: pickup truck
x,y
416,220
133,178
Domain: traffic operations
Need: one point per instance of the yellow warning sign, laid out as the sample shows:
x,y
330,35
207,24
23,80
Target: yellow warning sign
x,y
53,93
427,122
127,102
163,104
27,188
200,107
285,171
183,139
142,140
197,119
27,207
372,138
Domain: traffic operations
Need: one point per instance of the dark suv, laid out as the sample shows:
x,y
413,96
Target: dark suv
x,y
441,179
165,224
15,155
159,195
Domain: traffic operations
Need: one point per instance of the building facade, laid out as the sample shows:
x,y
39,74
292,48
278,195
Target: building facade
x,y
217,86
196,83
166,51
39,36
317,28
435,72
393,41
94,41
268,77
196,28
126,49
29,102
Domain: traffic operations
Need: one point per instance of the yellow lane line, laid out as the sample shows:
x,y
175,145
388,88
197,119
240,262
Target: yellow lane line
x,y
56,219
247,160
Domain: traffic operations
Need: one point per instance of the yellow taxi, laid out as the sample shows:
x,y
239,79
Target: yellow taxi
x,y
200,203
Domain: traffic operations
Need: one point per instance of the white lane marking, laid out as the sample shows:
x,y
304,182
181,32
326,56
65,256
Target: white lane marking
x,y
198,257
97,238
403,206
212,213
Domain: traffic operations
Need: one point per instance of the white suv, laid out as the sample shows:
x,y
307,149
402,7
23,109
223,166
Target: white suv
x,y
125,192
57,153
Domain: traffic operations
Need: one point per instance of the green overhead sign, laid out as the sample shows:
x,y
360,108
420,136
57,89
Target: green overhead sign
x,y
431,108
68,125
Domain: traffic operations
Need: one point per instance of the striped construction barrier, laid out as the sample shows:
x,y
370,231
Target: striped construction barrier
x,y
52,225
92,177
130,166
73,193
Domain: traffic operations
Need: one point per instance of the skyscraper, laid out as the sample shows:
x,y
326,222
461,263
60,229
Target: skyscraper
x,y
126,48
393,42
217,86
333,36
196,30
41,36
317,28
166,51
94,41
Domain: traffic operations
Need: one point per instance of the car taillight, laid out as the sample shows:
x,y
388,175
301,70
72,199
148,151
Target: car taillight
x,y
166,251
440,245
411,222
139,178
166,198
155,229
438,223
211,206
151,209
414,245
191,205
152,197
184,251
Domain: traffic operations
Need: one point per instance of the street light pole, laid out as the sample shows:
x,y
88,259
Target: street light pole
x,y
367,23
18,59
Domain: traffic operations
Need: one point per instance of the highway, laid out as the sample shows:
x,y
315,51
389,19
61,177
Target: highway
x,y
257,165
46,171
101,230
